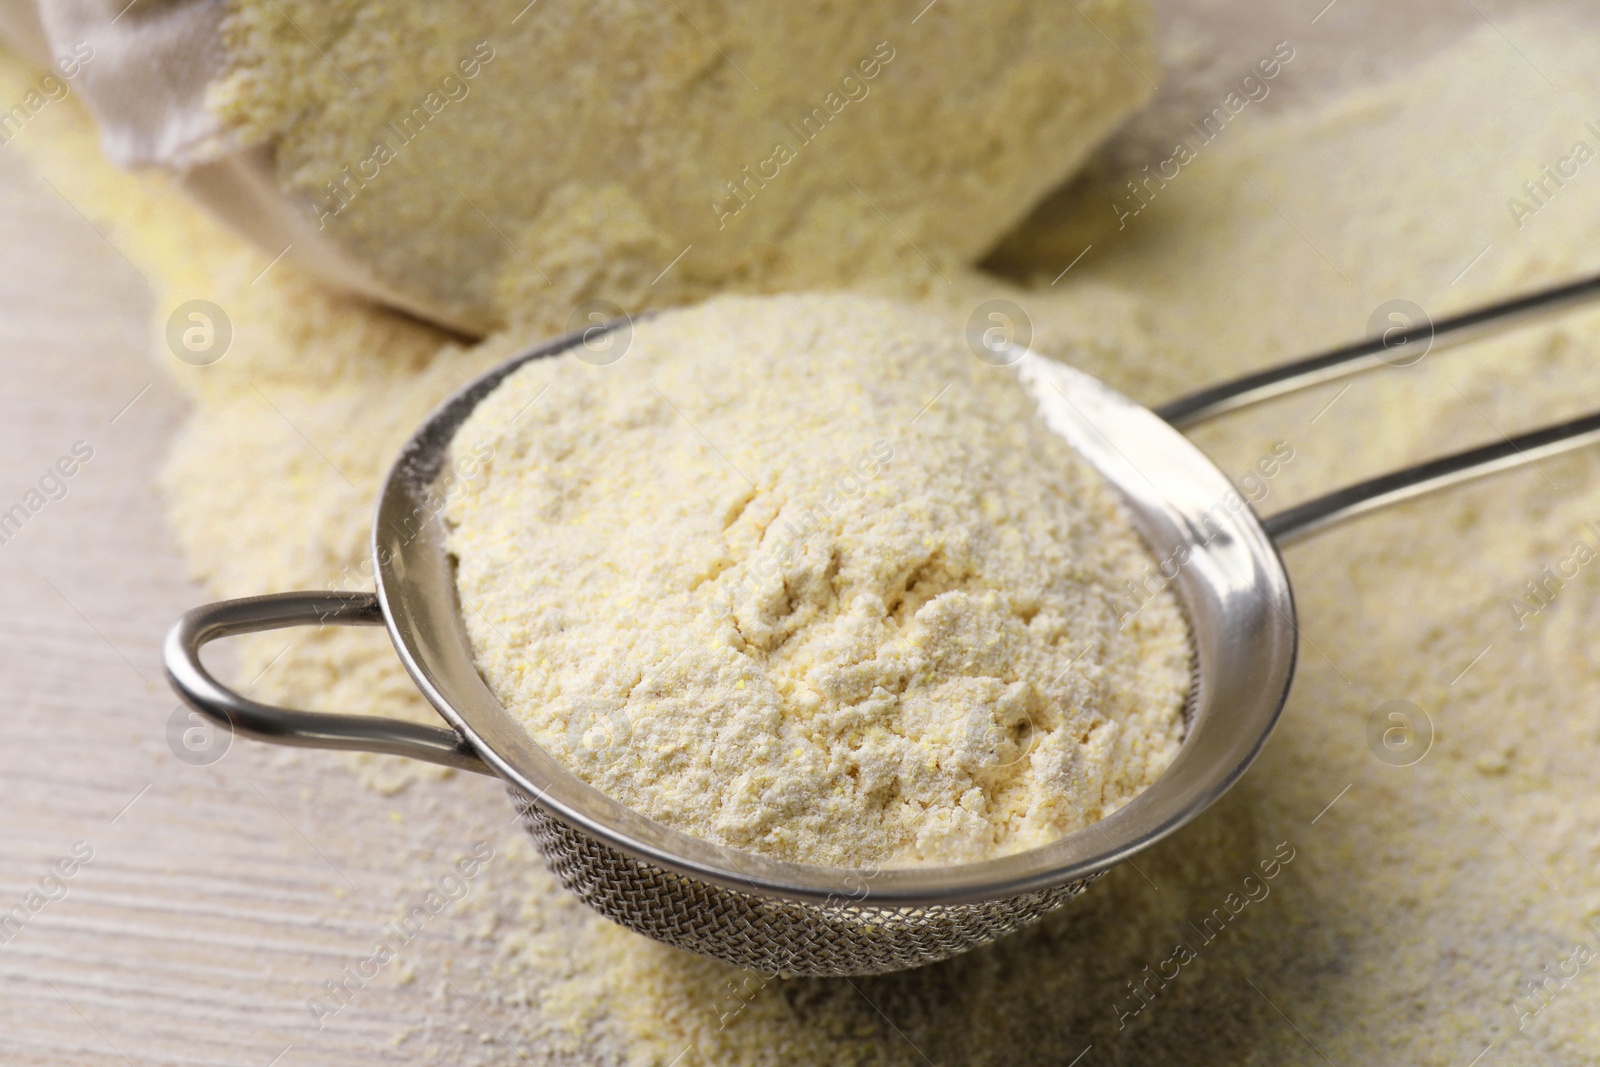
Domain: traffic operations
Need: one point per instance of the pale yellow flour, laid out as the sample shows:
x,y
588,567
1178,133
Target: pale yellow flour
x,y
1426,915
507,160
803,575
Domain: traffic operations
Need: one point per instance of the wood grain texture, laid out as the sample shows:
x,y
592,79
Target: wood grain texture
x,y
218,897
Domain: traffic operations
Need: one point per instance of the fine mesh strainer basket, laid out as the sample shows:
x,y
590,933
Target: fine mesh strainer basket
x,y
784,918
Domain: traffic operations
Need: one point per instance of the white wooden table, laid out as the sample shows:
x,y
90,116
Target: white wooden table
x,y
217,897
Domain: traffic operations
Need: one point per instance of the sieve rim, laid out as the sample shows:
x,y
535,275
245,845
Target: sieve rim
x,y
416,592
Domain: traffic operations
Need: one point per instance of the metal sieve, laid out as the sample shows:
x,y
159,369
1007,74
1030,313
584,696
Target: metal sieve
x,y
784,918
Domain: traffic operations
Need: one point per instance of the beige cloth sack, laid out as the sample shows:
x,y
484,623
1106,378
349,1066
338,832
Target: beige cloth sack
x,y
146,71
617,154
142,69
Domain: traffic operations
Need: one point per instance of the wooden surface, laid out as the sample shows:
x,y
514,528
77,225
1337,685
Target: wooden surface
x,y
218,897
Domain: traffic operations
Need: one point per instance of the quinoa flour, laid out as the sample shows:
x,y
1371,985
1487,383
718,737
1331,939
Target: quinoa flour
x,y
1428,910
510,161
803,575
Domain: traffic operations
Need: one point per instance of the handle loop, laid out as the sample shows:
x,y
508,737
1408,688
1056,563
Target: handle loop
x,y
285,726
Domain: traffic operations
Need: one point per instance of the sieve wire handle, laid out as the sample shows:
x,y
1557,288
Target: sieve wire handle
x,y
285,726
1302,520
1392,348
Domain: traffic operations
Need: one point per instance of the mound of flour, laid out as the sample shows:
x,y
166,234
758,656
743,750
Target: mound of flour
x,y
802,575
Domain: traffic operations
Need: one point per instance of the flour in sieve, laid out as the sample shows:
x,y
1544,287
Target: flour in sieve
x,y
1407,928
804,576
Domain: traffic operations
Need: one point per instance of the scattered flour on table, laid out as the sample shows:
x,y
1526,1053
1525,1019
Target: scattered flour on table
x,y
1406,929
803,575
